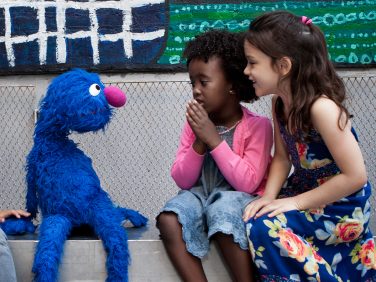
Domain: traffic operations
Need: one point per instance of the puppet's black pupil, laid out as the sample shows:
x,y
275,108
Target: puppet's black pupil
x,y
97,87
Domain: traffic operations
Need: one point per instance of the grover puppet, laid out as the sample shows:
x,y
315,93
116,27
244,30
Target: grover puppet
x,y
62,181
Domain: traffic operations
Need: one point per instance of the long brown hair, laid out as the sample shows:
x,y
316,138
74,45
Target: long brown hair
x,y
279,34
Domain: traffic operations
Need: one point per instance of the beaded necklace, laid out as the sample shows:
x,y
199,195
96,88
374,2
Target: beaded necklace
x,y
229,129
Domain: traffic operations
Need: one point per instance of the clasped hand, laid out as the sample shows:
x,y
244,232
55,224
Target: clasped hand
x,y
201,124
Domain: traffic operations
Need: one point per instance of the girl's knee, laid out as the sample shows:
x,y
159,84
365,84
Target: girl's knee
x,y
167,222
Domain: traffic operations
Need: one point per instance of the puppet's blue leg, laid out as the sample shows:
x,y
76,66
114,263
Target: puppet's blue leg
x,y
107,224
52,235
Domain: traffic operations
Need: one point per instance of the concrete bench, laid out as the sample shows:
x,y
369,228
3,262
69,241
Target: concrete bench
x,y
133,159
84,259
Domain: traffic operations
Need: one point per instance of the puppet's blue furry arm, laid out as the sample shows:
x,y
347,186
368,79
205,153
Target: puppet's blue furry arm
x,y
18,226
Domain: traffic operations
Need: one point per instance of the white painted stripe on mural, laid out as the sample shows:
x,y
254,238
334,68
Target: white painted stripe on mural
x,y
61,48
8,41
85,34
61,6
135,36
42,40
139,3
127,39
148,36
25,38
94,35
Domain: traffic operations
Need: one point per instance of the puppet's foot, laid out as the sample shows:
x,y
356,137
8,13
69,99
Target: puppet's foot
x,y
133,216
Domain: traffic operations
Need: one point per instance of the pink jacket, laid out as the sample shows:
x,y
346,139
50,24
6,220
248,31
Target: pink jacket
x,y
245,168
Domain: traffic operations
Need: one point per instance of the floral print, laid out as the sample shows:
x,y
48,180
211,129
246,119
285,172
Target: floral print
x,y
348,231
293,244
367,254
307,160
326,244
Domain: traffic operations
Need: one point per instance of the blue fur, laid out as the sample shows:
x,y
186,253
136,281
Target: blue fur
x,y
18,226
62,182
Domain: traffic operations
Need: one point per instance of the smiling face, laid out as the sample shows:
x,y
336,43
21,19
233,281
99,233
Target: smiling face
x,y
210,86
260,71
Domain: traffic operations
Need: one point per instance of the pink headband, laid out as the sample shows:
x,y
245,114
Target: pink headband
x,y
306,21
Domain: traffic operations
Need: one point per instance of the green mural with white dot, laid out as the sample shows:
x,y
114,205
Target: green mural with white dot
x,y
349,26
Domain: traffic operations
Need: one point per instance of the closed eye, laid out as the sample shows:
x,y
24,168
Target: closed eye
x,y
202,82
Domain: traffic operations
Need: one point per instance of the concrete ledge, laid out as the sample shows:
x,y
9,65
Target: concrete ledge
x,y
84,259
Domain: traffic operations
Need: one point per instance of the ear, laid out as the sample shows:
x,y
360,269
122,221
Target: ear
x,y
230,88
284,65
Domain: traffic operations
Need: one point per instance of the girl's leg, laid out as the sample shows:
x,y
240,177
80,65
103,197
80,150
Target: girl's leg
x,y
238,260
188,266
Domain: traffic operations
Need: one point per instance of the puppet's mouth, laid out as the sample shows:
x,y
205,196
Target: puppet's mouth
x,y
93,112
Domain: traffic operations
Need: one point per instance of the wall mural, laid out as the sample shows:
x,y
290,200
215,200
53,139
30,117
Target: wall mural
x,y
39,36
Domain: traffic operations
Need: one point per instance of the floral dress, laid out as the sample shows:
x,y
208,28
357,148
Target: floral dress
x,y
329,244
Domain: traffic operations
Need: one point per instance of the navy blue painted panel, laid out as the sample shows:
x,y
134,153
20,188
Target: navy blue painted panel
x,y
79,52
110,21
24,21
146,51
77,20
51,50
3,56
148,18
2,22
111,52
26,54
50,16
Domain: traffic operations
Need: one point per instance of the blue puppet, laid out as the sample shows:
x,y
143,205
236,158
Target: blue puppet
x,y
62,181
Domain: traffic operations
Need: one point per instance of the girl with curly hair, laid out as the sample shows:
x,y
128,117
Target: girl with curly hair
x,y
221,163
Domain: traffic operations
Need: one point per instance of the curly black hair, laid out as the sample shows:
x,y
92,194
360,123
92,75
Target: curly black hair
x,y
228,46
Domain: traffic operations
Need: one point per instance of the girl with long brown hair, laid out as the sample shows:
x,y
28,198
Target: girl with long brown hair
x,y
315,227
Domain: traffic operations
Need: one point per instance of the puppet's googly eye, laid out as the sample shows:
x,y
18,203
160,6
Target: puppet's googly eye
x,y
94,89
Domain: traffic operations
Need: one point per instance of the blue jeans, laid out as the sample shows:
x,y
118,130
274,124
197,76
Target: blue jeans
x,y
7,270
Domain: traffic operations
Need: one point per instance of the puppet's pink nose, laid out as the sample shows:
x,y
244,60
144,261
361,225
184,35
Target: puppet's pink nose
x,y
114,96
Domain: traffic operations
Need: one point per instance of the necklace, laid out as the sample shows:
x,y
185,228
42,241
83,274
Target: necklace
x,y
229,129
